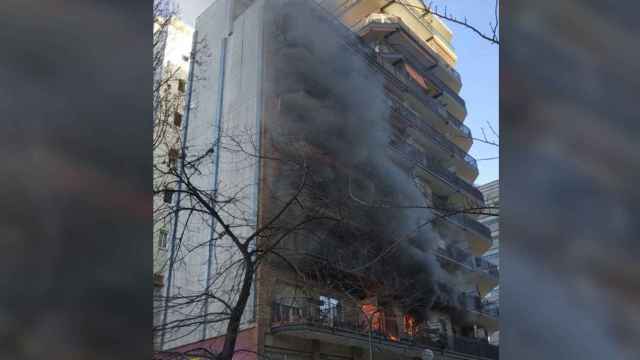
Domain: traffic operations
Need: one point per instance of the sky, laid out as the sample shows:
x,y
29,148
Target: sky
x,y
477,64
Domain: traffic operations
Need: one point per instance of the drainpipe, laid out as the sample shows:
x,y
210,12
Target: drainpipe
x,y
216,168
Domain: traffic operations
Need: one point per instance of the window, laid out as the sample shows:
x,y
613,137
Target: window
x,y
168,195
330,310
181,85
173,157
162,239
177,119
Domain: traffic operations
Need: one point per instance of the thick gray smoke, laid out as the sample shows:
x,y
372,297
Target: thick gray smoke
x,y
328,98
570,197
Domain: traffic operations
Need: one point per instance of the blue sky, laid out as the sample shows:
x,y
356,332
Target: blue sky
x,y
477,64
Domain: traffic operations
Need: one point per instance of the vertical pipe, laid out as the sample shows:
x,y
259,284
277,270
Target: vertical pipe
x,y
216,167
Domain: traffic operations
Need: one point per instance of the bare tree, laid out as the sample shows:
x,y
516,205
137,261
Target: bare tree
x,y
241,242
492,35
301,205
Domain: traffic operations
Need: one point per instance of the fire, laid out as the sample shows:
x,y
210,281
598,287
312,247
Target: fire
x,y
373,315
393,338
410,325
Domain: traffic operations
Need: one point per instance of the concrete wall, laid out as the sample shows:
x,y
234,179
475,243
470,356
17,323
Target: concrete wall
x,y
224,114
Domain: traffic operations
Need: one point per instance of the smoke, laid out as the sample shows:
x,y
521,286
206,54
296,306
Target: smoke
x,y
332,111
76,138
570,203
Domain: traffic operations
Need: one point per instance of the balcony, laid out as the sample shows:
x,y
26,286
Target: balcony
x,y
393,83
487,267
414,121
416,156
411,48
350,326
480,312
442,39
466,221
473,303
435,105
476,347
466,259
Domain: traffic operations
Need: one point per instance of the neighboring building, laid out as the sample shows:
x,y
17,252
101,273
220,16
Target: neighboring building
x,y
491,192
369,88
173,50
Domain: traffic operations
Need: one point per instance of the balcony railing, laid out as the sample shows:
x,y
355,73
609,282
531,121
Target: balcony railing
x,y
384,329
476,347
470,223
359,47
420,17
467,259
491,308
487,266
438,108
391,19
411,117
458,255
420,158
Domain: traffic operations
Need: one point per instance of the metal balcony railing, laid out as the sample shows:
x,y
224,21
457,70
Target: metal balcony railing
x,y
487,266
391,19
418,157
420,18
472,302
458,255
434,79
412,118
465,258
432,166
439,108
448,296
491,308
352,321
470,223
354,42
475,347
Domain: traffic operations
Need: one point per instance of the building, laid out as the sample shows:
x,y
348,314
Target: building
x,y
172,51
365,91
491,192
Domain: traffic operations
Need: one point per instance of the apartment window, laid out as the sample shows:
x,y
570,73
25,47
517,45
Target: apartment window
x,y
181,85
168,195
173,157
329,309
177,119
163,234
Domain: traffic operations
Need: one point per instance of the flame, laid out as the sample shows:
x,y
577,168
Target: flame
x,y
372,313
393,338
410,325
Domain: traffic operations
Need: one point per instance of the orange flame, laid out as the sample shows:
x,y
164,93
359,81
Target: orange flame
x,y
410,325
393,338
373,315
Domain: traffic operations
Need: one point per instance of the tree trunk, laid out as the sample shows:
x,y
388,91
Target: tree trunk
x,y
236,315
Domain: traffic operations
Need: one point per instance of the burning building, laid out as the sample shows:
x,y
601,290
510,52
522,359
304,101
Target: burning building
x,y
353,107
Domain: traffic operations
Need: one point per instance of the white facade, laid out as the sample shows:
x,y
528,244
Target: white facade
x,y
224,109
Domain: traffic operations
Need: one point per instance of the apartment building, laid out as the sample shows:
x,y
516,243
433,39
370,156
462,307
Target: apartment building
x,y
365,92
491,193
172,50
